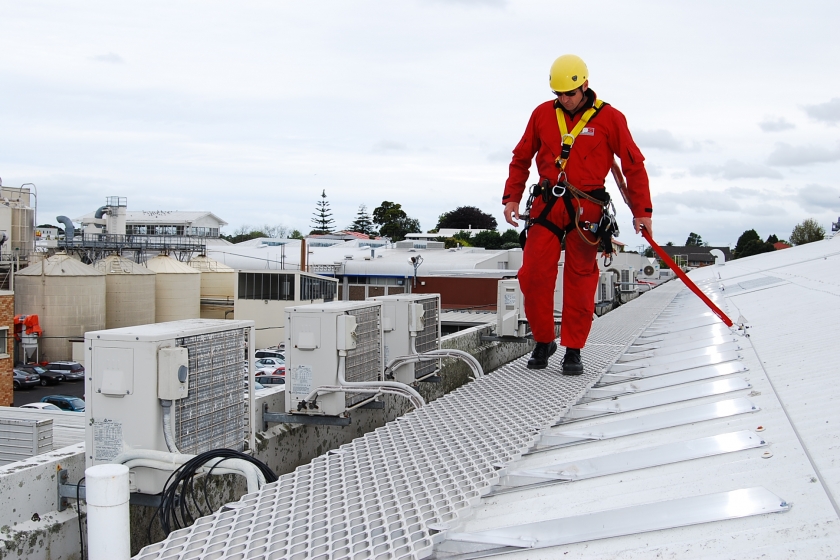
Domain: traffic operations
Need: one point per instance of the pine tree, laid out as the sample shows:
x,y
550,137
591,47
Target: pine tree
x,y
363,222
322,222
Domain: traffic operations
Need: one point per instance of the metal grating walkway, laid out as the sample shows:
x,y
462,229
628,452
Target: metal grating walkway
x,y
386,494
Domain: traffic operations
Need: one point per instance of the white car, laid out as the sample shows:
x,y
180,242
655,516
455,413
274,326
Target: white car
x,y
268,365
40,406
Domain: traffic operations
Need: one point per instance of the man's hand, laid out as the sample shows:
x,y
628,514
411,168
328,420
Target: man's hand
x,y
512,213
638,222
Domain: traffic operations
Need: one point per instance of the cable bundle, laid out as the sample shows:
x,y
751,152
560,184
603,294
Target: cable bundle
x,y
179,491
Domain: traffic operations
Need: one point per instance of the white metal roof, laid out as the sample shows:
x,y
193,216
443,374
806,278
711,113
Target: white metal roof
x,y
158,217
682,439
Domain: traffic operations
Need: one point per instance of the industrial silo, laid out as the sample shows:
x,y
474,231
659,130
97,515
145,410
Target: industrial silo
x,y
129,292
69,299
217,283
177,289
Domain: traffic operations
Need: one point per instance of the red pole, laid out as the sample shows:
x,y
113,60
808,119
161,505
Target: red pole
x,y
622,187
682,276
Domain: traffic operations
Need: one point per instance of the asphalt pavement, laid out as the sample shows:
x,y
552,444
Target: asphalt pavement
x,y
72,388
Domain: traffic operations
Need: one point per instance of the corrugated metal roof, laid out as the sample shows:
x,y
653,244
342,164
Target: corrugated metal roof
x,y
167,265
59,265
68,427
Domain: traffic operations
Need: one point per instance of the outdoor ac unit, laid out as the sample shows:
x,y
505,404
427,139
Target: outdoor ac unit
x,y
628,280
197,364
402,313
315,335
606,288
510,310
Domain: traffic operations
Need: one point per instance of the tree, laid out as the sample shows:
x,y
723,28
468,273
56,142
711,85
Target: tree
x,y
695,240
322,220
669,244
755,247
772,238
490,239
393,222
295,234
466,217
741,245
363,222
806,232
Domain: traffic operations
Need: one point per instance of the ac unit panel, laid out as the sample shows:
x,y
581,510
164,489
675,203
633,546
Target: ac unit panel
x,y
351,326
510,309
123,411
419,312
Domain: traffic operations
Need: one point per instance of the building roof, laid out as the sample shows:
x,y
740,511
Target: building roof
x,y
694,253
683,438
166,217
59,265
167,265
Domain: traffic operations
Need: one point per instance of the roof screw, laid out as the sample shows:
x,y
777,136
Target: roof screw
x,y
760,429
766,455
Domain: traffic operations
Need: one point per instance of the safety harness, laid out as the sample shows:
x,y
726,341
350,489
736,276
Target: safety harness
x,y
606,227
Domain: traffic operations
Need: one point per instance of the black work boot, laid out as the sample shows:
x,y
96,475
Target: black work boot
x,y
571,362
542,351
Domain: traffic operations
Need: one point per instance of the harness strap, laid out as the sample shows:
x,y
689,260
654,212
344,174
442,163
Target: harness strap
x,y
568,138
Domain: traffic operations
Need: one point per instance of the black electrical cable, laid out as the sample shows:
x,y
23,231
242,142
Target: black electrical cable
x,y
79,513
173,511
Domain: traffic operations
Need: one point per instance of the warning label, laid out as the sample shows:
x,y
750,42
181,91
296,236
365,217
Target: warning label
x,y
301,382
107,440
510,301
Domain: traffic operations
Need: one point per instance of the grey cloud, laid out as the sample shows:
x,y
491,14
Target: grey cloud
x,y
787,155
653,170
389,146
110,58
734,169
698,200
818,198
741,192
491,3
764,209
828,112
500,156
662,140
778,125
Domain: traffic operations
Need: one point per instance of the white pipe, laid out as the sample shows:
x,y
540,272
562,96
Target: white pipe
x,y
107,496
253,477
473,364
168,434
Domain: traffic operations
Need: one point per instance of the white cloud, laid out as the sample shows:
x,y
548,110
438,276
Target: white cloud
x,y
828,112
733,169
818,198
389,146
786,155
662,140
776,125
110,58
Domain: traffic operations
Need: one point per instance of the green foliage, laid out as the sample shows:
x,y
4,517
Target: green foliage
x,y
393,222
756,247
322,221
746,237
295,234
363,222
695,240
510,236
772,238
807,232
488,239
466,217
649,252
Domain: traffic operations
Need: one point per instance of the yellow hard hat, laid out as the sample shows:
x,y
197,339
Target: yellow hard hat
x,y
567,73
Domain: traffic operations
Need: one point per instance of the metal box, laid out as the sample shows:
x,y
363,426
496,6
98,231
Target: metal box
x,y
399,316
510,310
123,388
312,353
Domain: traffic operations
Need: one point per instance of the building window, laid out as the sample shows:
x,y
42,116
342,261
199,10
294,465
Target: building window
x,y
4,342
257,285
317,288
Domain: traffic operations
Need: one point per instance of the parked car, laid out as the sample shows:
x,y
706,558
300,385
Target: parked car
x,y
40,406
270,353
72,371
270,380
268,365
65,402
47,377
25,380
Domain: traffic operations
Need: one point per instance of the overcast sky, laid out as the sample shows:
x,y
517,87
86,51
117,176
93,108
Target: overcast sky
x,y
250,109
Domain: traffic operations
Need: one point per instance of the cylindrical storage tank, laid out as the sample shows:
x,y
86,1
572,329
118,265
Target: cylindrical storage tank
x,y
69,298
177,289
129,292
217,283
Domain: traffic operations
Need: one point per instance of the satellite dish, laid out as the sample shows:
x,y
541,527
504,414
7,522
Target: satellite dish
x,y
648,270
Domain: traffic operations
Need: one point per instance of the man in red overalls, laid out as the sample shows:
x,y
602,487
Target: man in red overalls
x,y
575,154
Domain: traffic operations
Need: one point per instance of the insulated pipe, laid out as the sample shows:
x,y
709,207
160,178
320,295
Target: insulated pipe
x,y
101,211
254,480
468,358
69,228
107,496
168,435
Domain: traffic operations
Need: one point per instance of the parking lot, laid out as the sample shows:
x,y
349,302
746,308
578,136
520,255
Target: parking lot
x,y
73,388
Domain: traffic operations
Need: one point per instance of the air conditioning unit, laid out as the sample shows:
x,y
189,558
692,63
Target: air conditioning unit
x,y
650,270
628,280
197,365
606,288
402,314
317,336
510,310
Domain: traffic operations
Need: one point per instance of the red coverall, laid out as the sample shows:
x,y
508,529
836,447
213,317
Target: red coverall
x,y
605,135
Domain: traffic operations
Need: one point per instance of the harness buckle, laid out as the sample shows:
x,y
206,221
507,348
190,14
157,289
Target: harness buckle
x,y
559,190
